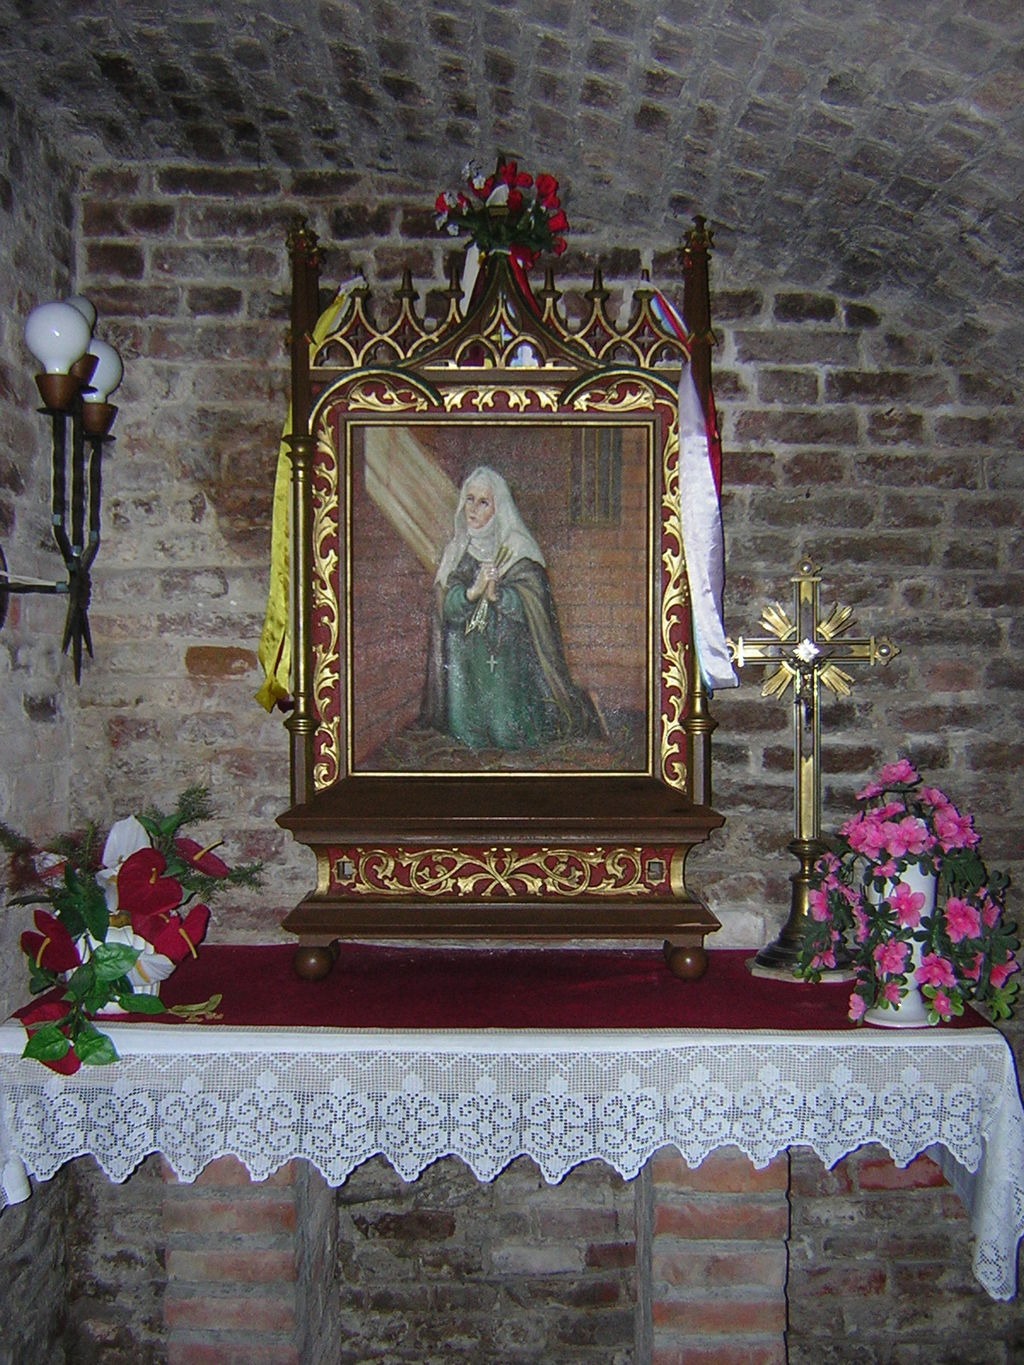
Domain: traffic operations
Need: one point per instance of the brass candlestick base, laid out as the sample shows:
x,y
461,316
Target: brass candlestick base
x,y
780,958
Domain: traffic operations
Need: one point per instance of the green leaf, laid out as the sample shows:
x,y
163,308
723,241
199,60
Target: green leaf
x,y
192,806
1001,1001
67,904
80,904
39,978
1001,1007
47,1044
150,825
81,981
111,960
142,1004
94,1048
99,997
248,874
94,909
12,841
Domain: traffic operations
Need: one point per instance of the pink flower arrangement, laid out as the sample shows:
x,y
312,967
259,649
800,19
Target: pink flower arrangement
x,y
509,209
861,910
119,920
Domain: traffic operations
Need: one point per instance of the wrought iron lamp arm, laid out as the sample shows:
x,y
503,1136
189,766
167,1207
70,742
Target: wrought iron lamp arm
x,y
75,524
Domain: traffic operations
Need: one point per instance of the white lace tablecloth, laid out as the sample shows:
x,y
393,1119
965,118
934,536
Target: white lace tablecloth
x,y
338,1097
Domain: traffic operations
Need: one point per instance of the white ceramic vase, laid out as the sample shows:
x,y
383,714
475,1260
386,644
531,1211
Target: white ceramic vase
x,y
912,1010
145,977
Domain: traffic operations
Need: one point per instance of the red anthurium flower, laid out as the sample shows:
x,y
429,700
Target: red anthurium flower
x,y
142,890
148,926
178,938
558,221
53,947
201,858
515,201
559,245
42,1012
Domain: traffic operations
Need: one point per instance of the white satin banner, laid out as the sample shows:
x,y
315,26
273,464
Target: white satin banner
x,y
703,541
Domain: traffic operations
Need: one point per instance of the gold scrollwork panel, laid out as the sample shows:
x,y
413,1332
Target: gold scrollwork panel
x,y
324,594
500,872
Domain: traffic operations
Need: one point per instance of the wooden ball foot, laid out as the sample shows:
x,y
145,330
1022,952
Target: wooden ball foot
x,y
312,963
686,962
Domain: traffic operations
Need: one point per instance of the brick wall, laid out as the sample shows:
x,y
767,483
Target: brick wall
x,y
863,1263
880,1269
451,1270
724,1264
33,1299
114,1293
232,1268
444,1269
37,214
718,1261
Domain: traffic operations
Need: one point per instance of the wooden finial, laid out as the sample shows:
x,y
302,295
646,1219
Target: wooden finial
x,y
700,237
302,240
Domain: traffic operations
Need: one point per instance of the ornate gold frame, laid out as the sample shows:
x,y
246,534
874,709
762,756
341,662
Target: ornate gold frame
x,y
491,854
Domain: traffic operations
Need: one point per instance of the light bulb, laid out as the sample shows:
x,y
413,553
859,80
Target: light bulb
x,y
107,374
57,335
83,306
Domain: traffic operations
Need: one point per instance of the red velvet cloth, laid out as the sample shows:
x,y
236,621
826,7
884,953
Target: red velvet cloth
x,y
473,988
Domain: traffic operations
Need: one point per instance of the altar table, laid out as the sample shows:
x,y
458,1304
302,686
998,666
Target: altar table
x,y
562,1056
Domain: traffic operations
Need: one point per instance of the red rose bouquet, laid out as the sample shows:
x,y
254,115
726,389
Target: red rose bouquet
x,y
508,210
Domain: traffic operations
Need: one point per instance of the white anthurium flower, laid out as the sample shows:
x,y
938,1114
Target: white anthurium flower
x,y
125,838
123,934
497,196
150,969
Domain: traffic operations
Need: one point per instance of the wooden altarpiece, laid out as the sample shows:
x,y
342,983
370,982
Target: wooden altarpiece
x,y
417,833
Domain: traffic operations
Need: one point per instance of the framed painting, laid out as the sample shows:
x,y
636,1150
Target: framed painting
x,y
498,730
545,666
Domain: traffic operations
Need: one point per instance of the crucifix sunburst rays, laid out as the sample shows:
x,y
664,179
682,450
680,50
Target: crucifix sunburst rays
x,y
804,649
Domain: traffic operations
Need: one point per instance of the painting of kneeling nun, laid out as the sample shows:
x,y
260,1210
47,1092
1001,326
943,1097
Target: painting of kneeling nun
x,y
497,676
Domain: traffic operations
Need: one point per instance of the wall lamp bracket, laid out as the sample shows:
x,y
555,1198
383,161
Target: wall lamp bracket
x,y
80,374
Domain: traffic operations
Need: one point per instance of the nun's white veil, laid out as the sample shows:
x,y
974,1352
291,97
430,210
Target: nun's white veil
x,y
506,531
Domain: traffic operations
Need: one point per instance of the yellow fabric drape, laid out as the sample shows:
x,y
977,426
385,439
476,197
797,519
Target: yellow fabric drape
x,y
275,646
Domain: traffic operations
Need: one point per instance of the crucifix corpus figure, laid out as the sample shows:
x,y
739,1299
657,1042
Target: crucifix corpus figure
x,y
806,651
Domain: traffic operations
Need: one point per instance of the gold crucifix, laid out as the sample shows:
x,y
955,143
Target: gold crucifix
x,y
807,651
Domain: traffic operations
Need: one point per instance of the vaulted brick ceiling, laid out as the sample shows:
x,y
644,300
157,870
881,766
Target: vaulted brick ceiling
x,y
860,144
